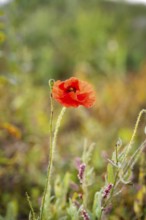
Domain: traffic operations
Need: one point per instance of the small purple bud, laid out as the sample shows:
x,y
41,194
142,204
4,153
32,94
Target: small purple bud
x,y
81,172
85,214
107,190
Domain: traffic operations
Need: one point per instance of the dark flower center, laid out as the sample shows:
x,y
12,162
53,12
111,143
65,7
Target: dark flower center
x,y
71,89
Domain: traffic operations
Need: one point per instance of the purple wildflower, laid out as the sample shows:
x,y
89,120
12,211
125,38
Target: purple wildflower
x,y
81,172
107,190
85,214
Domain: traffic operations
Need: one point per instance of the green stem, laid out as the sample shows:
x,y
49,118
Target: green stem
x,y
56,130
114,184
111,195
113,188
50,156
132,160
116,155
31,208
85,192
52,148
134,132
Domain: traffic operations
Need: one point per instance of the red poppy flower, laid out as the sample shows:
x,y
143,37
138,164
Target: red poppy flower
x,y
73,92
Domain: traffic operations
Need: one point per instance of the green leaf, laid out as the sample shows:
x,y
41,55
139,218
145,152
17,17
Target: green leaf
x,y
97,205
30,216
110,173
12,210
72,211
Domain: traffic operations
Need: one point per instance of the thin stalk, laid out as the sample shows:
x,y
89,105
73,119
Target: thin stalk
x,y
134,157
85,192
132,160
56,132
47,186
116,155
31,208
112,191
134,132
52,148
115,181
114,184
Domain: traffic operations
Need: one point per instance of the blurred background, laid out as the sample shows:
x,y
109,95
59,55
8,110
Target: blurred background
x,y
102,42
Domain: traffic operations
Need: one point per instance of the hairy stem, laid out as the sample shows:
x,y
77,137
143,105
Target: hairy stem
x,y
51,158
47,186
133,160
134,131
56,130
31,208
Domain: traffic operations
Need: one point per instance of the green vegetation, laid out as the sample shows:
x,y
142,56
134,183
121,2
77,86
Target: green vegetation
x,y
98,41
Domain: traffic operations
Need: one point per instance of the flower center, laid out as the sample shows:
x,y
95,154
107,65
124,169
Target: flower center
x,y
71,89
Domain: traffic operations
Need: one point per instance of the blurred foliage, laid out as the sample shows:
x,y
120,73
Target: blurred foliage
x,y
52,39
101,42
